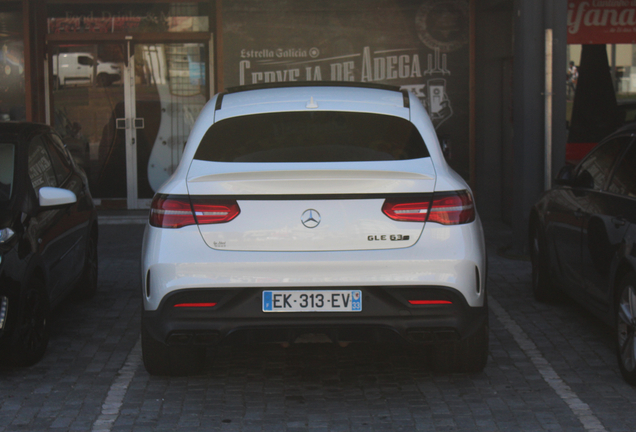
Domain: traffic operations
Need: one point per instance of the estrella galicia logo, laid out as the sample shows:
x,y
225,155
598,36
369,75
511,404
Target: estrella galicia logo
x,y
310,218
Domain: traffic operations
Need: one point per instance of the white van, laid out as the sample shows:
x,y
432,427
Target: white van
x,y
77,68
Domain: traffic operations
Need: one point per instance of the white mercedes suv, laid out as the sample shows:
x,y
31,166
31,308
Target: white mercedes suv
x,y
313,208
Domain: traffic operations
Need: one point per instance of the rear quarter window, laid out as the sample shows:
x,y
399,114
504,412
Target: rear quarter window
x,y
317,136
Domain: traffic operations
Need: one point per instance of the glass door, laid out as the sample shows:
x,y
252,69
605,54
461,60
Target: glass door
x,y
169,93
125,111
87,97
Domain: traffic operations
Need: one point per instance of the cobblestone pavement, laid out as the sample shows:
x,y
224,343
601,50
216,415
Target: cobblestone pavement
x,y
552,368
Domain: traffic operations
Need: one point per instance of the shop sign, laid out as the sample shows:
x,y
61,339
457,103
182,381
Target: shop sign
x,y
142,18
601,21
418,45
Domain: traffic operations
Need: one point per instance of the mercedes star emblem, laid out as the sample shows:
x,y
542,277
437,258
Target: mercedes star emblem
x,y
310,218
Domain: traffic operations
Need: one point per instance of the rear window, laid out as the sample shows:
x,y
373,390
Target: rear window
x,y
317,136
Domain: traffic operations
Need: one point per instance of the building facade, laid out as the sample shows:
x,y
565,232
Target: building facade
x,y
123,82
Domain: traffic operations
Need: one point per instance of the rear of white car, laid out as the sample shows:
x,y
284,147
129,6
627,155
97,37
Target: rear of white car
x,y
313,209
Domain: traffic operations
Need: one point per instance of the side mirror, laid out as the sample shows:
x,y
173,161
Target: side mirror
x,y
584,180
50,196
565,177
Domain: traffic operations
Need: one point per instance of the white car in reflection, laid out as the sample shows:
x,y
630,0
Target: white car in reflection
x,y
79,68
313,209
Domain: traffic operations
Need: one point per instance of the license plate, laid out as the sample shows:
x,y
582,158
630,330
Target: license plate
x,y
312,301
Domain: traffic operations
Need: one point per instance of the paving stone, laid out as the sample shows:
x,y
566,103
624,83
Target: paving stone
x,y
315,386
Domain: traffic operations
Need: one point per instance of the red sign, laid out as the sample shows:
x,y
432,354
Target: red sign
x,y
601,21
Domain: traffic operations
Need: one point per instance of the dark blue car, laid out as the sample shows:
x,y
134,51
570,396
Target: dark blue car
x,y
583,239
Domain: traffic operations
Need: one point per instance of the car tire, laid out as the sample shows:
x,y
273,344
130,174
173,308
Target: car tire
x,y
103,80
542,287
466,356
31,332
87,285
164,360
625,315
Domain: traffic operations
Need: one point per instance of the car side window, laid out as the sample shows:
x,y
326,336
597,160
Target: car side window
x,y
60,163
624,180
59,145
40,166
596,167
85,60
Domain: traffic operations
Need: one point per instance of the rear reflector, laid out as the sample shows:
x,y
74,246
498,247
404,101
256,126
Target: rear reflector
x,y
429,302
169,211
446,208
195,305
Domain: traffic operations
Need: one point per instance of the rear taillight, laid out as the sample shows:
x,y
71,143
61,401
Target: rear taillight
x,y
409,211
171,212
214,211
177,211
447,208
452,209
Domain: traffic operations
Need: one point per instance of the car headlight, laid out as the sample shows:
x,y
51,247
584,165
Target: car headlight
x,y
6,234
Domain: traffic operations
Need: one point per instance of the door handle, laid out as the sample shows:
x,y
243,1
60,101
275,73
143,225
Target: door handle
x,y
618,222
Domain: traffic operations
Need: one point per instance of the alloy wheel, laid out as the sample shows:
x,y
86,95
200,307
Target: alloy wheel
x,y
626,328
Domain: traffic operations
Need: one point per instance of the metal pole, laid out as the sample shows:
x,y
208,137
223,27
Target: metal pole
x,y
548,110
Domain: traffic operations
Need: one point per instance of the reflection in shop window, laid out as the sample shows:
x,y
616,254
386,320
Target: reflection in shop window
x,y
12,82
621,58
7,156
128,18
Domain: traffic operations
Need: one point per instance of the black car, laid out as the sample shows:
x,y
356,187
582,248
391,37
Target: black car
x,y
48,237
583,239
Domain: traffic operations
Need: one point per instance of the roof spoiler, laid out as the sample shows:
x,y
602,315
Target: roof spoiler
x,y
349,84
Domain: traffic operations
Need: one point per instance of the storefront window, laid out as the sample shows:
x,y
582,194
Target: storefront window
x,y
600,73
12,81
128,17
421,46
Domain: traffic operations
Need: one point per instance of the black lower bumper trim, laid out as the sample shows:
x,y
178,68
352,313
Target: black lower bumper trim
x,y
386,316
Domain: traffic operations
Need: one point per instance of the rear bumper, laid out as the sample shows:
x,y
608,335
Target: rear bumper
x,y
386,316
444,256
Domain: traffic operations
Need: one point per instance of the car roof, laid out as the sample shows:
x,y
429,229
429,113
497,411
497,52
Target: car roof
x,y
21,129
321,96
627,128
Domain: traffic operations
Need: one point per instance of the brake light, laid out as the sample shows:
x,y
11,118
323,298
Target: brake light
x,y
215,211
171,212
447,208
177,211
452,209
408,211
